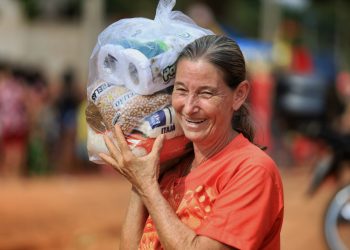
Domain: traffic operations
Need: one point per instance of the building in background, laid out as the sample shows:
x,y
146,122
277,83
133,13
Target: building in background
x,y
54,39
59,34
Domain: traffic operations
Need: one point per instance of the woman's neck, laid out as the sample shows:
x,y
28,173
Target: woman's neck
x,y
203,152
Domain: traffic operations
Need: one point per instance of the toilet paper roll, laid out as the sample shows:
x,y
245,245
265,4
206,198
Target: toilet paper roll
x,y
108,65
131,68
136,72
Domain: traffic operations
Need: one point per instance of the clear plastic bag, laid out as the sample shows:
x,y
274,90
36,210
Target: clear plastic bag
x,y
140,53
131,72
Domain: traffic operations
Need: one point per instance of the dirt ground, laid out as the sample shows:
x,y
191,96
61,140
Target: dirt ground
x,y
85,212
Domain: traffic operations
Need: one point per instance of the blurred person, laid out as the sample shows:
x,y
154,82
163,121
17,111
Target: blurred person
x,y
227,194
66,106
289,53
307,108
290,56
13,122
42,124
203,16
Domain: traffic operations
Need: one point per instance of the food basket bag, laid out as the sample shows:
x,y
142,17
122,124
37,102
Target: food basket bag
x,y
131,74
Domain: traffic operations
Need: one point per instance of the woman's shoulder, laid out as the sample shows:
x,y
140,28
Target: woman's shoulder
x,y
247,157
242,149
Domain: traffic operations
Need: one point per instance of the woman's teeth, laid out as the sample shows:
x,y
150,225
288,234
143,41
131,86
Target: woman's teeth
x,y
195,121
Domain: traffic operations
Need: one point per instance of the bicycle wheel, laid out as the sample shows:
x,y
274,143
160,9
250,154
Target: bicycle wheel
x,y
337,220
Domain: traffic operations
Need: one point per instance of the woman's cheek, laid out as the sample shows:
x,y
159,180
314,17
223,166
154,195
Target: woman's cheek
x,y
176,102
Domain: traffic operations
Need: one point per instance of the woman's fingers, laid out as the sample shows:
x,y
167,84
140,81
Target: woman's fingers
x,y
110,161
113,150
122,144
121,156
157,145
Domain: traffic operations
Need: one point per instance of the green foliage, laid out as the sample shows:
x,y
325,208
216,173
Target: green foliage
x,y
30,8
71,9
117,6
63,9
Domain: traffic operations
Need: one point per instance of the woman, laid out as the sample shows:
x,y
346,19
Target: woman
x,y
228,193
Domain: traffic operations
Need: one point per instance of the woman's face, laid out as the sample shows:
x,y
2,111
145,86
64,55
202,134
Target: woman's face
x,y
204,104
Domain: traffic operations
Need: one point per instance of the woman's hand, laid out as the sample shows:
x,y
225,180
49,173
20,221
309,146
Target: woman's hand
x,y
142,172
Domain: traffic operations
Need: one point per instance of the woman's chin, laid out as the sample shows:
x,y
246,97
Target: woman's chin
x,y
194,136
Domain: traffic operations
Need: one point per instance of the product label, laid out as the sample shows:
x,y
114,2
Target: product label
x,y
168,73
168,129
121,100
99,90
157,119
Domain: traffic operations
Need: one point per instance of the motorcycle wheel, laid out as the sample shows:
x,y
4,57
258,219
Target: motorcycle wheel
x,y
337,220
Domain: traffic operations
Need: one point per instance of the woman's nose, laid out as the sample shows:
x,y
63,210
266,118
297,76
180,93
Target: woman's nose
x,y
191,105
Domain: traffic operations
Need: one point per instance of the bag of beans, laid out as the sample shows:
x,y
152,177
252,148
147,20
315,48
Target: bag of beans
x,y
131,73
141,117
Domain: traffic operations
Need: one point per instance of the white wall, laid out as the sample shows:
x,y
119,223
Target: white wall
x,y
52,46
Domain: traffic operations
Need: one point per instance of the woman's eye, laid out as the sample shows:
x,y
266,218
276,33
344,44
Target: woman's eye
x,y
180,90
206,94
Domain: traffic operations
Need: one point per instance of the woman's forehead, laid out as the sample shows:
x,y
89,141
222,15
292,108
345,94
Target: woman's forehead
x,y
199,67
199,74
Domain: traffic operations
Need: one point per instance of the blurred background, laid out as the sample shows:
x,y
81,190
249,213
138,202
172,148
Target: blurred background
x,y
52,197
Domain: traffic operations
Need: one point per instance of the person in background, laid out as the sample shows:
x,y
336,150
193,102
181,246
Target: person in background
x,y
289,52
13,122
203,16
67,108
42,124
228,193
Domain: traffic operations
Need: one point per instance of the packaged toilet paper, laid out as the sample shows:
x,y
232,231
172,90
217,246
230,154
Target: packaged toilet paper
x,y
140,53
131,73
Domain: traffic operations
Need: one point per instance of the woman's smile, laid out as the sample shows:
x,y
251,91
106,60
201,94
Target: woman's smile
x,y
194,122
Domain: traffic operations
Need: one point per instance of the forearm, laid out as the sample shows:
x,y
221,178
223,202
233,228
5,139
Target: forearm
x,y
173,234
134,222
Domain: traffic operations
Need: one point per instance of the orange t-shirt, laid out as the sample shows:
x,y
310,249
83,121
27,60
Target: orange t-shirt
x,y
235,197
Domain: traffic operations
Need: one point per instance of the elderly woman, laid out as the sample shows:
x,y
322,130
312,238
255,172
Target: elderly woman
x,y
228,193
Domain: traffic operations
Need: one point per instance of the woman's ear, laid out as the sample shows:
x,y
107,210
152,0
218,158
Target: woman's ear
x,y
240,94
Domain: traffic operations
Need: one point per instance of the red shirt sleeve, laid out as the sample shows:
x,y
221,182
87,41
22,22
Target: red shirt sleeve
x,y
248,211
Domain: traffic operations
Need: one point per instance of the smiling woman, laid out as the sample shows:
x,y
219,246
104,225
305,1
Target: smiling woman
x,y
227,194
199,96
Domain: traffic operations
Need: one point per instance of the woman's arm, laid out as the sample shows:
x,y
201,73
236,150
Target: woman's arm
x,y
134,222
143,173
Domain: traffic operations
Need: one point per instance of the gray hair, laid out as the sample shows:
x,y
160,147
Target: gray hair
x,y
225,54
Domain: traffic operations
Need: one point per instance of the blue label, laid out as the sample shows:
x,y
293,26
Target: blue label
x,y
157,119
